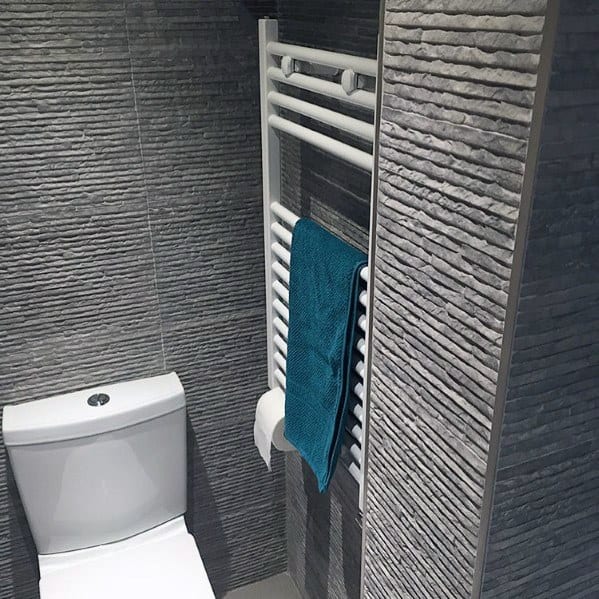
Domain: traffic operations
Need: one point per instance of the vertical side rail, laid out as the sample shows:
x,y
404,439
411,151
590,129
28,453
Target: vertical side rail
x,y
374,183
268,31
366,379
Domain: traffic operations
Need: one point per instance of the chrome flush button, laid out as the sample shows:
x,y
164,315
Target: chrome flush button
x,y
98,399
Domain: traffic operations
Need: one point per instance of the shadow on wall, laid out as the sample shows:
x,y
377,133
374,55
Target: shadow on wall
x,y
331,565
318,535
352,571
23,554
203,519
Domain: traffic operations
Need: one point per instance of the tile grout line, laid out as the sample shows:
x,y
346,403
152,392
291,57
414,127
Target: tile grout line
x,y
147,196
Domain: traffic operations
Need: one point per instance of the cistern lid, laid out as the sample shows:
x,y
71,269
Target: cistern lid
x,y
91,411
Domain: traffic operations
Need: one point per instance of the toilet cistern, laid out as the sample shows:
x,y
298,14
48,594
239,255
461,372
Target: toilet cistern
x,y
122,446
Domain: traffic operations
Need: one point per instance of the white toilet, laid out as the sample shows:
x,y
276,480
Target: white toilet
x,y
102,475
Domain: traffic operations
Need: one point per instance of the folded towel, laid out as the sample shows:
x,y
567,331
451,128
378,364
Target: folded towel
x,y
323,304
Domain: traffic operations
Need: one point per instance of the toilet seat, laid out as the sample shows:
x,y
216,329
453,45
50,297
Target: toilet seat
x,y
162,562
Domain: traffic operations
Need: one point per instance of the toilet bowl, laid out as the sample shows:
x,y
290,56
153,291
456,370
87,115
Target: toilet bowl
x,y
102,477
163,562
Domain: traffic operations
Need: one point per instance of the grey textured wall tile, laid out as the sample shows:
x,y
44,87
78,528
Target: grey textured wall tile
x,y
459,87
199,125
79,303
544,537
324,533
132,243
236,507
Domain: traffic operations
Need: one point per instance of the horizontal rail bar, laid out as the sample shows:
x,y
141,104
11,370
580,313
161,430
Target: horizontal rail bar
x,y
355,472
284,214
280,378
343,122
331,89
282,233
282,253
362,322
281,362
356,453
342,150
281,327
361,346
281,291
359,390
355,430
281,344
281,272
363,298
359,368
281,310
355,408
337,60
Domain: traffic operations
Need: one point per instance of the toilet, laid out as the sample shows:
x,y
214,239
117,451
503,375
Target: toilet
x,y
102,475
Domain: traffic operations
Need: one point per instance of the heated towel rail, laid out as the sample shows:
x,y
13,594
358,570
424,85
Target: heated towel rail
x,y
278,64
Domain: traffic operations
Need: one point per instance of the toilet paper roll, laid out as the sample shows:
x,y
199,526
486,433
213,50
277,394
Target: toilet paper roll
x,y
269,424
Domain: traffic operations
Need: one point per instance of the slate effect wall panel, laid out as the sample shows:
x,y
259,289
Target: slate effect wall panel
x,y
459,86
195,67
130,243
324,531
544,537
79,302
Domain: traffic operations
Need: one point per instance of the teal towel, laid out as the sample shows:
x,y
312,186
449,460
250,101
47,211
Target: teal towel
x,y
323,305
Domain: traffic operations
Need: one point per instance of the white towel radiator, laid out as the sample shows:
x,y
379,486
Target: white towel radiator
x,y
277,70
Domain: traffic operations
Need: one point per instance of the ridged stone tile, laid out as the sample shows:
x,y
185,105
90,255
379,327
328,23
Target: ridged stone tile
x,y
79,303
458,89
131,244
195,69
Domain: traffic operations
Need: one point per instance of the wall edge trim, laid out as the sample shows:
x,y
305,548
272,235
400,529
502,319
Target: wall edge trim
x,y
371,286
